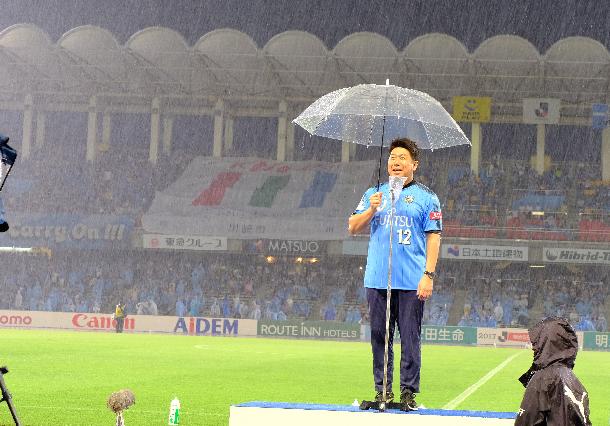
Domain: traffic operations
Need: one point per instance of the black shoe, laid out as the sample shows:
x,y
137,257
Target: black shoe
x,y
3,226
389,396
407,398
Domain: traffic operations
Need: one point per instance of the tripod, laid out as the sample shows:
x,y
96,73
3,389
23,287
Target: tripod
x,y
6,396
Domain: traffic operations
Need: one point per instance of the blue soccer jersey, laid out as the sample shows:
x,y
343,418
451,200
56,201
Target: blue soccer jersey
x,y
417,211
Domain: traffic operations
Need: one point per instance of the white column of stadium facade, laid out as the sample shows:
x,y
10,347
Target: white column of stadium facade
x,y
41,119
223,132
219,113
155,130
106,130
606,154
282,124
229,123
91,128
26,141
475,150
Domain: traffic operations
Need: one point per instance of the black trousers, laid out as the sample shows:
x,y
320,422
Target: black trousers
x,y
119,324
406,311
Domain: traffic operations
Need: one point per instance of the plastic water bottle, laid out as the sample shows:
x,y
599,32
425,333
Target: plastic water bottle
x,y
174,412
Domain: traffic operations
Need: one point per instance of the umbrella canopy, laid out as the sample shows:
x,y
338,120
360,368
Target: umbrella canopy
x,y
372,114
7,154
7,157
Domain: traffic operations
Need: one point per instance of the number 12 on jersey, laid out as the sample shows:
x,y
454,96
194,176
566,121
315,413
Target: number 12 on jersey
x,y
404,236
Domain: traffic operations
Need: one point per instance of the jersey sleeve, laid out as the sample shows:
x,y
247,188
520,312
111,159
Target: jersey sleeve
x,y
365,202
433,221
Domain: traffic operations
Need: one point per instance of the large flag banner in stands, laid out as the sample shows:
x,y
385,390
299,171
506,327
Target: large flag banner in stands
x,y
254,198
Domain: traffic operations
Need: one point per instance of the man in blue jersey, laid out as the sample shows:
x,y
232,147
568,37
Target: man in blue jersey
x,y
416,222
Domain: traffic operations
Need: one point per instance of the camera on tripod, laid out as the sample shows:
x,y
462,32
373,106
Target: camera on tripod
x,y
8,155
6,396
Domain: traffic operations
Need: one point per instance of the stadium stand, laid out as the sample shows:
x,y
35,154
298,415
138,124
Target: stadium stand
x,y
507,200
248,286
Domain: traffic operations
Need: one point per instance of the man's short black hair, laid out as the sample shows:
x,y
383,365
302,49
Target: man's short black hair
x,y
407,144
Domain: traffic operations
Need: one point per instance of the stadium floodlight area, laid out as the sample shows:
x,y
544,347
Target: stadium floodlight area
x,y
16,249
29,250
294,414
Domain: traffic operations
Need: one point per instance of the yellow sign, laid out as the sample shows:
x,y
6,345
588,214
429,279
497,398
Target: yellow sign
x,y
471,109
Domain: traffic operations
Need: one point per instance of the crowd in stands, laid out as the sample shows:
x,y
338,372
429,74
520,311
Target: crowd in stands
x,y
497,203
169,284
581,299
510,200
498,299
255,287
121,181
436,309
514,298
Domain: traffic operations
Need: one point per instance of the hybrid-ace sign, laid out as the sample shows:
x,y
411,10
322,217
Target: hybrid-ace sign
x,y
565,255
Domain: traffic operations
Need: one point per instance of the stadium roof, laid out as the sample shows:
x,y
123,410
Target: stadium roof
x,y
294,66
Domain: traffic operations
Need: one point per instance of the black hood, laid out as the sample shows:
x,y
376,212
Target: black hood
x,y
553,341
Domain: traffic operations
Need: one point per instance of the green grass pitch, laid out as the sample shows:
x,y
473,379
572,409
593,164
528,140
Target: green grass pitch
x,y
65,378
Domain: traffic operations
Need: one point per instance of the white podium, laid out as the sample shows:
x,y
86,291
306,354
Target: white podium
x,y
295,414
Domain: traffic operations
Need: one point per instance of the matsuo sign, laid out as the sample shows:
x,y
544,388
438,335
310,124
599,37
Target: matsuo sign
x,y
292,246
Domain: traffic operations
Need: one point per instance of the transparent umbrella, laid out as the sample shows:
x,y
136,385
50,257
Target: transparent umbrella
x,y
370,114
7,158
373,114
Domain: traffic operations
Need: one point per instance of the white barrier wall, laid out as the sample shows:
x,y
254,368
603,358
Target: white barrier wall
x,y
294,414
205,326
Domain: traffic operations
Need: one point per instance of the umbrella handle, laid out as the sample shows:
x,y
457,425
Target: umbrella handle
x,y
381,152
7,173
388,303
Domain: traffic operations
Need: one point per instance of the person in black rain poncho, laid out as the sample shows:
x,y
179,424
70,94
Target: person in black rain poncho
x,y
553,394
